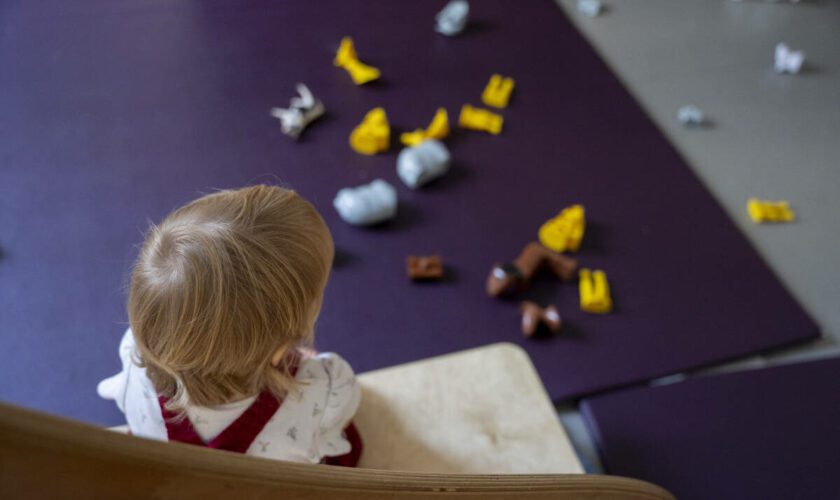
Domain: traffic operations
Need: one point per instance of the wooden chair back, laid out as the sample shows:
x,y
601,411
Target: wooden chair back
x,y
43,456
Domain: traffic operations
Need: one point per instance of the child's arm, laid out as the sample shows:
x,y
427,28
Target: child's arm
x,y
114,387
343,397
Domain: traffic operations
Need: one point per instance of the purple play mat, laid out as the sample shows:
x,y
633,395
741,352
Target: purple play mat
x,y
117,112
768,434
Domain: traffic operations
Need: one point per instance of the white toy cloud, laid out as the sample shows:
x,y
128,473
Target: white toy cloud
x,y
452,19
367,204
423,163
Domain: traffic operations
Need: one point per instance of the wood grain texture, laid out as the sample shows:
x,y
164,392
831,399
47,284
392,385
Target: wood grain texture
x,y
42,456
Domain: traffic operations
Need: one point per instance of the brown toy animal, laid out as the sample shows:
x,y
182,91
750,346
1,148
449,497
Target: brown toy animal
x,y
506,278
424,268
534,316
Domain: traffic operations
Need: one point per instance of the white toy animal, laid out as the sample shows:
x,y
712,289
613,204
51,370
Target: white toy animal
x,y
788,61
421,164
589,8
302,111
452,19
367,204
691,115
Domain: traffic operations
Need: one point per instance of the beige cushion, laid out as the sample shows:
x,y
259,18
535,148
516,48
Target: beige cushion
x,y
483,410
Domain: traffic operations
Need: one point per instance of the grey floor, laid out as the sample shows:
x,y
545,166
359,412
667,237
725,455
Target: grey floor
x,y
771,136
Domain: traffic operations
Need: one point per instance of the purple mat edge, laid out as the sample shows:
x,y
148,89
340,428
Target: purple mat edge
x,y
658,394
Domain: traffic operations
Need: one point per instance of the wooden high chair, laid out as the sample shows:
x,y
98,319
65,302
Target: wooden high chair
x,y
471,424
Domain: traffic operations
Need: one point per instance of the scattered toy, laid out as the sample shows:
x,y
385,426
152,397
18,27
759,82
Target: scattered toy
x,y
506,278
594,292
453,18
691,115
480,119
346,58
769,211
564,232
373,135
589,8
497,92
367,204
788,61
302,111
535,317
424,268
421,164
438,129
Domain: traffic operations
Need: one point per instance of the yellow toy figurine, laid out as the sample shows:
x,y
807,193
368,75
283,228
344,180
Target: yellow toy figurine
x,y
346,58
480,119
373,135
438,129
769,211
564,232
497,92
594,292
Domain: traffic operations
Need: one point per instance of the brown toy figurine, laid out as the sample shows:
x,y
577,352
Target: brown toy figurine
x,y
424,268
534,316
506,278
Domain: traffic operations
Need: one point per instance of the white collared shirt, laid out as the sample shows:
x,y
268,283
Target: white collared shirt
x,y
307,427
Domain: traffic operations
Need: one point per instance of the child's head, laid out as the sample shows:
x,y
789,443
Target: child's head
x,y
223,287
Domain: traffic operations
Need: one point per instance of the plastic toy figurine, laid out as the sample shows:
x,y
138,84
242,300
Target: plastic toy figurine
x,y
421,164
594,292
497,92
564,232
368,204
438,129
373,135
589,8
302,111
453,18
346,58
788,61
769,211
691,115
506,278
480,119
428,268
535,318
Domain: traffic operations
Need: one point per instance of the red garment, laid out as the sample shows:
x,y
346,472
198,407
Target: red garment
x,y
237,437
351,459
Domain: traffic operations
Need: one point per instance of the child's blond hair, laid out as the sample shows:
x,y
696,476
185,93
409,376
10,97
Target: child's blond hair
x,y
222,285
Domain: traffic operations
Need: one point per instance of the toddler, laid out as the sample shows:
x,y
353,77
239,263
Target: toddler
x,y
222,306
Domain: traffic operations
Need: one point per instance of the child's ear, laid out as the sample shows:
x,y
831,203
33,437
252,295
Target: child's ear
x,y
277,357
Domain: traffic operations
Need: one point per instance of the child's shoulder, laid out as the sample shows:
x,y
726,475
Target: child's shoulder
x,y
326,366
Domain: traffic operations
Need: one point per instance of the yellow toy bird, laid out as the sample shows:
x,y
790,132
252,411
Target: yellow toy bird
x,y
769,211
373,135
497,92
480,119
437,129
346,58
594,292
564,232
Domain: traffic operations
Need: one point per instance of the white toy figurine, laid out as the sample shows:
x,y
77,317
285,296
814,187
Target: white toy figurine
x,y
788,61
367,204
691,115
452,19
423,163
589,8
302,111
